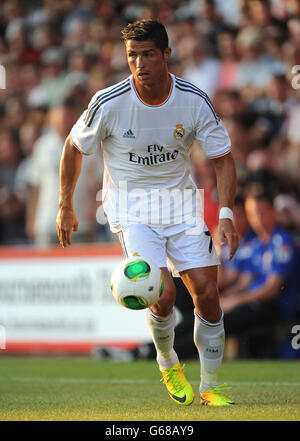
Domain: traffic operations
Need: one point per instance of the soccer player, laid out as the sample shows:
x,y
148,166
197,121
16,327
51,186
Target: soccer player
x,y
146,124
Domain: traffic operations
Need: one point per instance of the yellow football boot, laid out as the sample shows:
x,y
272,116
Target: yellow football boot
x,y
215,396
179,389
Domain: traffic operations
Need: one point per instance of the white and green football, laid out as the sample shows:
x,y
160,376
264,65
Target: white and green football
x,y
137,283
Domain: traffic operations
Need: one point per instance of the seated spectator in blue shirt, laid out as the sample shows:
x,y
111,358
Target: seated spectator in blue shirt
x,y
230,270
268,289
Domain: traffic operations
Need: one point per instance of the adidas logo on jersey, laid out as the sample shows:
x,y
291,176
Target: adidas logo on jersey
x,y
129,134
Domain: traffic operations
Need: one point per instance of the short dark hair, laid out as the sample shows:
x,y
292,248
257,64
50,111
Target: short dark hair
x,y
144,30
265,197
261,195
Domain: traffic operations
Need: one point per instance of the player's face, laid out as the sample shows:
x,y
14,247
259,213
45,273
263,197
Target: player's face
x,y
147,63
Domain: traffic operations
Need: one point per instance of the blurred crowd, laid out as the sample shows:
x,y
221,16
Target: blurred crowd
x,y
244,54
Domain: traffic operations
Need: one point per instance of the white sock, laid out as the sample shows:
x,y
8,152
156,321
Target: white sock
x,y
209,339
162,330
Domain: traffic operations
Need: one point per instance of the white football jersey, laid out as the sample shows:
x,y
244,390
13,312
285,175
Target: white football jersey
x,y
145,148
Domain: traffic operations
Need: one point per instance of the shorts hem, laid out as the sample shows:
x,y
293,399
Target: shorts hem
x,y
176,271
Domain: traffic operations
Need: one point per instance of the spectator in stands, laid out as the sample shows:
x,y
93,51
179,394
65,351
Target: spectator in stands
x,y
256,66
43,200
12,218
210,24
268,291
288,213
260,15
204,70
52,89
12,208
272,108
229,59
28,135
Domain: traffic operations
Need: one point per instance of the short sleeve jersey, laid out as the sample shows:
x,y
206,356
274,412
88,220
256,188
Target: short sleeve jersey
x,y
145,145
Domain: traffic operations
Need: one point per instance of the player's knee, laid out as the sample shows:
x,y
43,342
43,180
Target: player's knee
x,y
207,292
206,301
211,292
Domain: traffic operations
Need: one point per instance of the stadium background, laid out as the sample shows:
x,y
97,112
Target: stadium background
x,y
56,55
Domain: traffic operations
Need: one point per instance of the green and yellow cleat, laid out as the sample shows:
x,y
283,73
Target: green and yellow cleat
x,y
215,396
179,389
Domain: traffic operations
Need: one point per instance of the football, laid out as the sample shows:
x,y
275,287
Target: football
x,y
137,283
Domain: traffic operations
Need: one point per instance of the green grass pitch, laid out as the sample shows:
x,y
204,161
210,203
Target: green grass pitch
x,y
83,389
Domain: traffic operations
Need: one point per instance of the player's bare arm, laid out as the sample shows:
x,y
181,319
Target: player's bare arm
x,y
226,182
70,167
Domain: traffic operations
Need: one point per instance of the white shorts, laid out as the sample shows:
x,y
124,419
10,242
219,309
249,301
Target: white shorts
x,y
169,246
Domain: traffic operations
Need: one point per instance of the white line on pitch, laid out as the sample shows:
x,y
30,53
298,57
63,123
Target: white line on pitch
x,y
135,381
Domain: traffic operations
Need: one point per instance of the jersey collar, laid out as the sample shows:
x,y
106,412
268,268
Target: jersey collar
x,y
153,106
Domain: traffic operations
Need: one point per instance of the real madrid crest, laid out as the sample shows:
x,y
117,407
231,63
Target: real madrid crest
x,y
179,132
